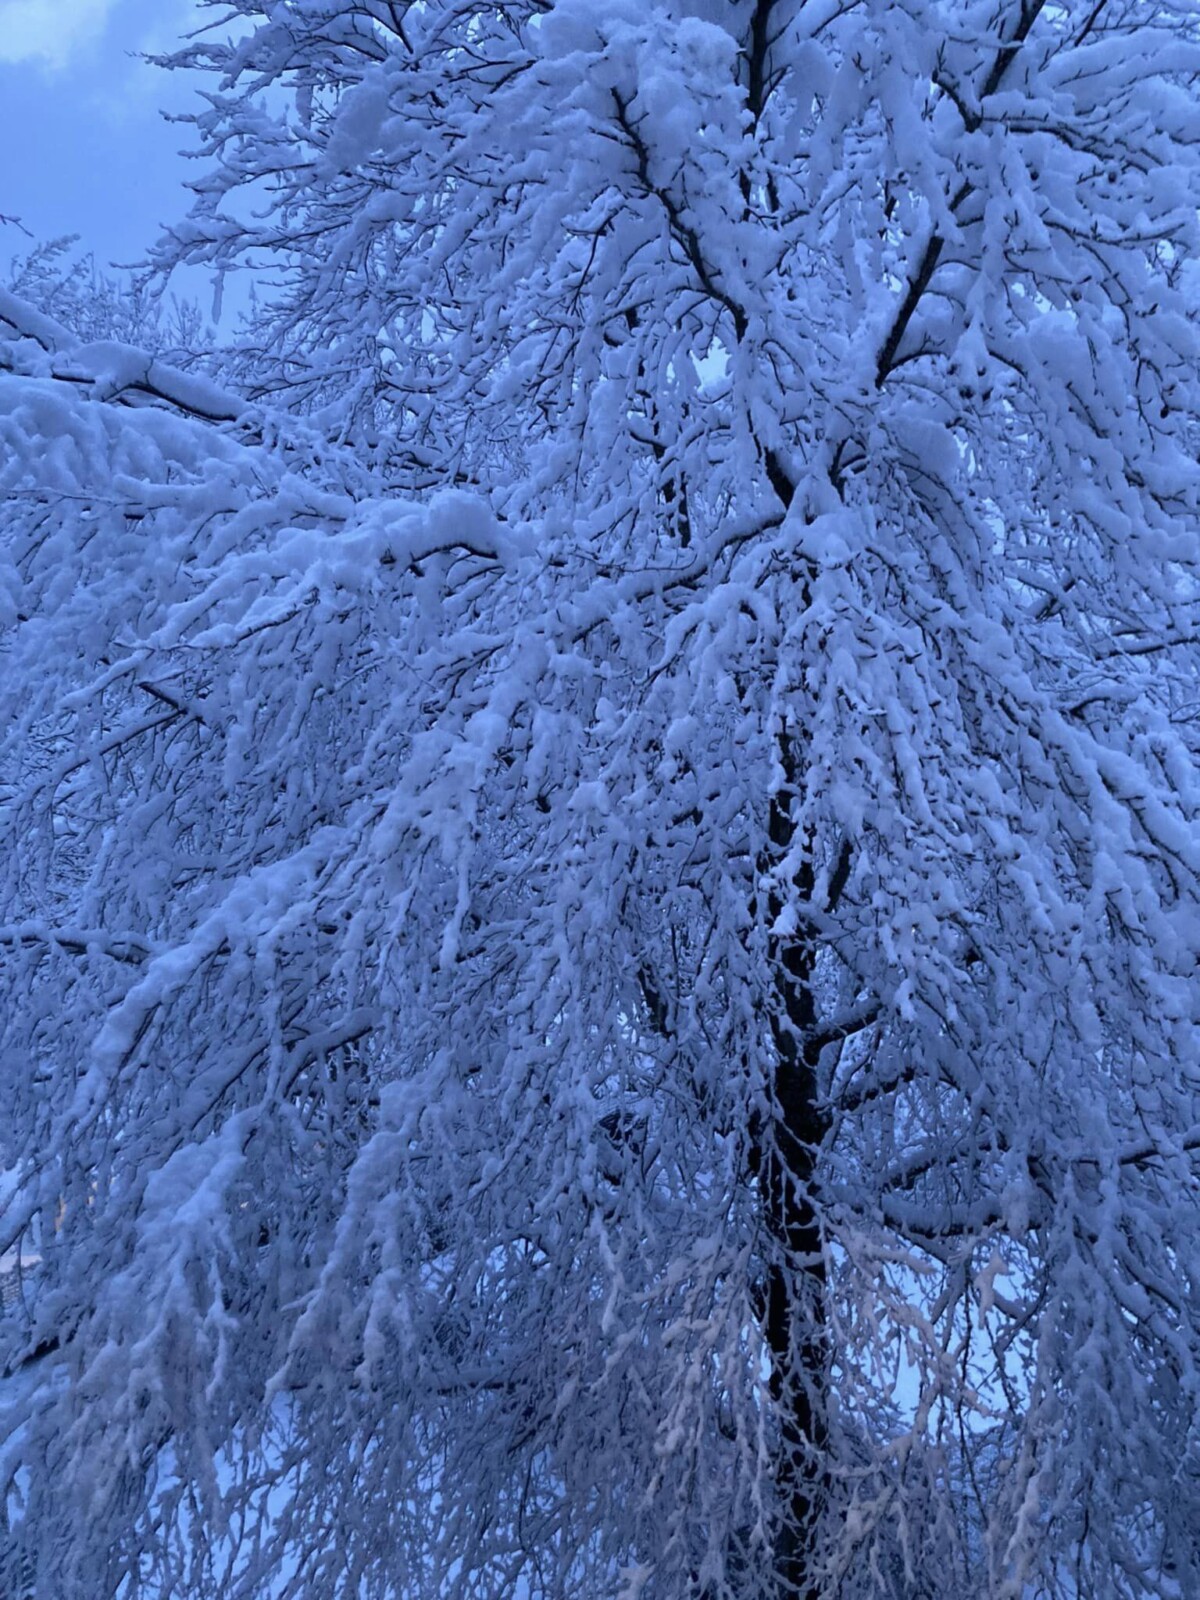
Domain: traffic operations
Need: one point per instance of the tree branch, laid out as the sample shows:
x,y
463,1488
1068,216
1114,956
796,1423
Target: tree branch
x,y
932,254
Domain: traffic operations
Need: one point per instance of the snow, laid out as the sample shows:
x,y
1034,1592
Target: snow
x,y
552,896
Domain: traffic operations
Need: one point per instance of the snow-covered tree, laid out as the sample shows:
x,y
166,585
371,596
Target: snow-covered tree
x,y
55,278
601,888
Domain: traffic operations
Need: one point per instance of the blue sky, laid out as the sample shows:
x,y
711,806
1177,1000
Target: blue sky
x,y
83,147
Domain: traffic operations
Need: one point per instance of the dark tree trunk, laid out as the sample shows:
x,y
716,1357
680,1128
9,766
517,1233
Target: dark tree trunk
x,y
783,1160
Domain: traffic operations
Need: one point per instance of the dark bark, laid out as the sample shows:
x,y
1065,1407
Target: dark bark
x,y
783,1163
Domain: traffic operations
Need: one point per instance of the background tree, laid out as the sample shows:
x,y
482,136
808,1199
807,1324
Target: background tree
x,y
95,305
601,984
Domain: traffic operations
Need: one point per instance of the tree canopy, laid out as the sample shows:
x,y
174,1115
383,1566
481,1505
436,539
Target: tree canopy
x,y
599,874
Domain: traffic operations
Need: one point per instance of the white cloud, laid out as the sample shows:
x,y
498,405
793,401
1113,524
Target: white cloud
x,y
49,32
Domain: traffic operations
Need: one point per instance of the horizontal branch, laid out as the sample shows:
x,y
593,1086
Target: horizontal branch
x,y
127,947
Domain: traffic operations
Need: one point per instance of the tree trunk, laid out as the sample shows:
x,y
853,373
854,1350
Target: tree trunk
x,y
783,1159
